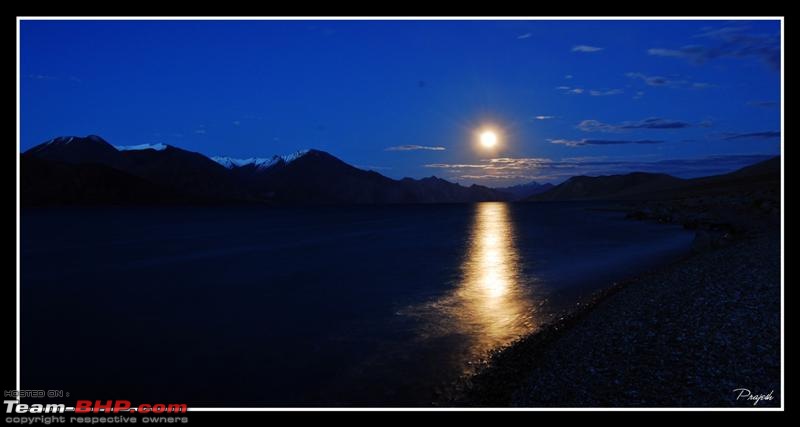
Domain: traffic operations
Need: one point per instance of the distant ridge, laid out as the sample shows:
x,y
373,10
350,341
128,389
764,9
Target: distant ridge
x,y
610,186
648,186
523,191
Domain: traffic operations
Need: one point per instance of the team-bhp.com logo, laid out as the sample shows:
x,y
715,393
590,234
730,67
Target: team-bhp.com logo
x,y
96,407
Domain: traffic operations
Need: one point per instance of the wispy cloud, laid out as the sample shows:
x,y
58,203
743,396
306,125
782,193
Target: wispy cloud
x,y
728,42
496,178
606,92
503,170
200,131
414,148
582,142
544,117
51,77
586,48
655,123
593,92
524,36
733,136
649,123
666,52
764,104
652,80
596,126
237,123
568,76
41,77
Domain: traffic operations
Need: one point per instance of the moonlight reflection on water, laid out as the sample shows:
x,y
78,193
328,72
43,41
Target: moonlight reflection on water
x,y
491,304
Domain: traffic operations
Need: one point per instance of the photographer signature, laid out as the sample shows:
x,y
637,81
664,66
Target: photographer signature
x,y
743,393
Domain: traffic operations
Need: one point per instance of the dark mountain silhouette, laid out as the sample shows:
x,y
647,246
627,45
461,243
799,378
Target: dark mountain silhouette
x,y
313,176
185,171
431,189
46,182
75,149
176,171
523,191
609,187
148,174
764,175
648,186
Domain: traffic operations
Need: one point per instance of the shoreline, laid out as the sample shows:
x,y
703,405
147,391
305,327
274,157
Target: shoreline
x,y
526,371
489,384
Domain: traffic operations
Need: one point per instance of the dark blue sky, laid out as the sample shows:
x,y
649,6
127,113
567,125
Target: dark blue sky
x,y
568,97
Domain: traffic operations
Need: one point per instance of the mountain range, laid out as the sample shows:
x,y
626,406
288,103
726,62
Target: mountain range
x,y
524,191
89,170
654,186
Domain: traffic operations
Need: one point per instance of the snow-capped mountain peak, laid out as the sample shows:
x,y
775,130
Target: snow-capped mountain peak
x,y
65,140
258,162
288,158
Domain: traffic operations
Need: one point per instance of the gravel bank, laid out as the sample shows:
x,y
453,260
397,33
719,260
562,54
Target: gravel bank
x,y
685,335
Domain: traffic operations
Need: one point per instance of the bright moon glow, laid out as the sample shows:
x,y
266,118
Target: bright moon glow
x,y
488,139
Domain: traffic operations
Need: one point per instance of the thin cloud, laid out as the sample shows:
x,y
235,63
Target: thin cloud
x,y
570,90
593,92
524,36
605,92
237,123
200,131
51,77
654,80
666,52
548,170
764,104
497,177
586,48
649,123
661,81
655,123
500,163
751,135
414,148
596,126
706,123
582,142
544,117
728,42
42,77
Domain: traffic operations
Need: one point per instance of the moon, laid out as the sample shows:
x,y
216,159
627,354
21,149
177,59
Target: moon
x,y
488,138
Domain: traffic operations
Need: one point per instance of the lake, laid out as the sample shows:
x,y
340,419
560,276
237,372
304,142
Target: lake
x,y
329,306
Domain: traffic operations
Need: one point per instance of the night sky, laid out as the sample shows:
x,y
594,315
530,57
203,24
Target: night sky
x,y
406,98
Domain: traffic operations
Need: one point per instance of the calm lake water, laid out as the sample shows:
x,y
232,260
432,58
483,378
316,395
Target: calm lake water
x,y
352,306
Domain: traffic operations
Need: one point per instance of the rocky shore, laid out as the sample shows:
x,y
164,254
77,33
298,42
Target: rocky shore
x,y
702,332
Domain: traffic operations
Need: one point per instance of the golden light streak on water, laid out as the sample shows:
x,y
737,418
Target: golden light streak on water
x,y
491,302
